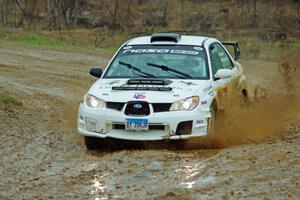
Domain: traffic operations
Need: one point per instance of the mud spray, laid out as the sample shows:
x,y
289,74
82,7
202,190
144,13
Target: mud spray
x,y
275,104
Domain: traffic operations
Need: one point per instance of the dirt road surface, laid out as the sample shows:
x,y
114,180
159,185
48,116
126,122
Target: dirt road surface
x,y
42,156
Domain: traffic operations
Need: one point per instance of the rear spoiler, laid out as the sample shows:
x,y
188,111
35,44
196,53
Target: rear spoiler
x,y
237,51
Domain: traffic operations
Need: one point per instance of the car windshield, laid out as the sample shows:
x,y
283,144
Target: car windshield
x,y
159,61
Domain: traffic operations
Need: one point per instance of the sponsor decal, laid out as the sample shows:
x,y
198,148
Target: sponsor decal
x,y
127,47
113,82
211,93
164,51
139,96
203,102
198,48
188,83
200,121
209,88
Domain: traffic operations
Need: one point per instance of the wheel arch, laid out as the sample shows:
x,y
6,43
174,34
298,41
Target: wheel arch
x,y
214,104
244,92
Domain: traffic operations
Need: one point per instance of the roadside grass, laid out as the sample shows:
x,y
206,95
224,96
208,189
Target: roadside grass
x,y
111,49
109,42
3,38
296,44
51,42
33,39
43,41
8,99
91,47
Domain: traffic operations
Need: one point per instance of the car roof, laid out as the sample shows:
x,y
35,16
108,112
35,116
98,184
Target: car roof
x,y
184,40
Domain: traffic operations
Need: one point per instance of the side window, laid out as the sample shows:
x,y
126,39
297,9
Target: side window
x,y
219,58
215,59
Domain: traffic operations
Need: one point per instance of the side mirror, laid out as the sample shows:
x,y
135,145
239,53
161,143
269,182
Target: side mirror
x,y
237,51
235,45
96,72
224,74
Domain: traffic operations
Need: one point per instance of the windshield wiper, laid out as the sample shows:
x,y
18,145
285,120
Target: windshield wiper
x,y
168,69
131,67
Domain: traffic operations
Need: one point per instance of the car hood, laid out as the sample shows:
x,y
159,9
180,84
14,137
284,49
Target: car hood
x,y
181,89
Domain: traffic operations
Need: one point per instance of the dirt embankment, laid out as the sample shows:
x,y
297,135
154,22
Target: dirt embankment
x,y
42,157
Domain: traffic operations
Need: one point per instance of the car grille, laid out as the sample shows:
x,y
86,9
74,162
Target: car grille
x,y
115,105
157,107
137,108
161,107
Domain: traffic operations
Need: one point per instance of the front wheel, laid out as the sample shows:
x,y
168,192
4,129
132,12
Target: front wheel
x,y
211,129
92,143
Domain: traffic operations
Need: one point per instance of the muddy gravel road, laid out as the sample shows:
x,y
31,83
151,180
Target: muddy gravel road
x,y
42,156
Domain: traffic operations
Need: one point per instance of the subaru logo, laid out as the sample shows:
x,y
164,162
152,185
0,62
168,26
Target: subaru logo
x,y
137,106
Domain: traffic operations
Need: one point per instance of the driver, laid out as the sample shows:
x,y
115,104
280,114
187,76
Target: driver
x,y
195,66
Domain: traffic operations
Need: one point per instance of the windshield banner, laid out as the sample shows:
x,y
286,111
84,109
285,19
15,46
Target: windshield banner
x,y
182,50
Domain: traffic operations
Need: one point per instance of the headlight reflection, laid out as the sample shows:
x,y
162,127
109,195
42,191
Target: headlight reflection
x,y
99,187
191,174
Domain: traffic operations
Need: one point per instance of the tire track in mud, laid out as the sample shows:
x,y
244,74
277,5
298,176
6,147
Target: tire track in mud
x,y
43,157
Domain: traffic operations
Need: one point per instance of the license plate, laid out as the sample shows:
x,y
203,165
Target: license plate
x,y
137,124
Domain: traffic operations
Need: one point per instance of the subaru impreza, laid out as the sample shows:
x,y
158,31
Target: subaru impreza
x,y
165,86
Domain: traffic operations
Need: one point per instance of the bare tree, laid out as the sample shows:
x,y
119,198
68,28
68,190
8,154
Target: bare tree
x,y
2,14
29,11
8,12
254,12
114,13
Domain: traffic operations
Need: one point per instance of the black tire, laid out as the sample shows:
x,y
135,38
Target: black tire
x,y
93,143
244,99
211,129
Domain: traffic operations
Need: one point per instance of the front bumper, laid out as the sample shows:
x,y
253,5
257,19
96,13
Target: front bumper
x,y
103,123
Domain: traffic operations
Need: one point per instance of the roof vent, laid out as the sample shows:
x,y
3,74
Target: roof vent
x,y
165,37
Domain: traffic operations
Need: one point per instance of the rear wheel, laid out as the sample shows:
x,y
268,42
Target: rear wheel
x,y
244,99
93,143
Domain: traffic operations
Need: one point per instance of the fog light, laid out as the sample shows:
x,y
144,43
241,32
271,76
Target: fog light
x,y
91,124
184,128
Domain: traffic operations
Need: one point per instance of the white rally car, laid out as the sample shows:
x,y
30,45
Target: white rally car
x,y
163,86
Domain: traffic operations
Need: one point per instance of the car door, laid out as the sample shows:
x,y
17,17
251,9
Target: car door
x,y
226,88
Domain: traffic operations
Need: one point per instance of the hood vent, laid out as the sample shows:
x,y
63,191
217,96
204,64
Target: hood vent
x,y
165,37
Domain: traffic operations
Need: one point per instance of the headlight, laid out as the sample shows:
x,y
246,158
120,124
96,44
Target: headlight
x,y
94,102
185,104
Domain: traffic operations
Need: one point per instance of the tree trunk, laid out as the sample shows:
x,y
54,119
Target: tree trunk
x,y
254,12
115,12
